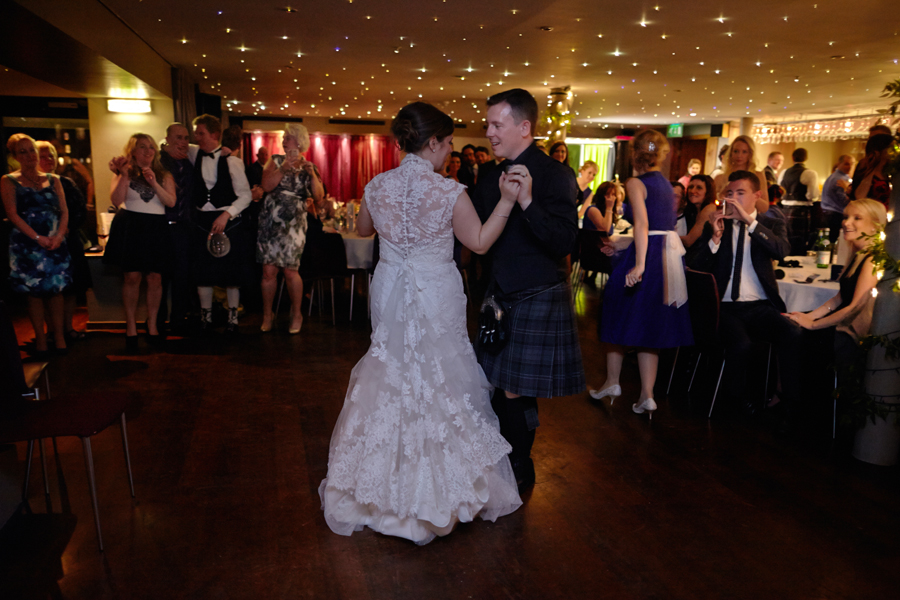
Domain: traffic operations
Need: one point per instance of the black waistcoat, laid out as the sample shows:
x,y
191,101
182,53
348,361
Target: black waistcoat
x,y
793,189
222,194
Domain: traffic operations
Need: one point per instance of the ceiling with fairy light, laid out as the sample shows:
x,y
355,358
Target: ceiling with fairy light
x,y
688,61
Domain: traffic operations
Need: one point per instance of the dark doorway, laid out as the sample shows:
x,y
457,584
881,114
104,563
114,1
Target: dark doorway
x,y
683,150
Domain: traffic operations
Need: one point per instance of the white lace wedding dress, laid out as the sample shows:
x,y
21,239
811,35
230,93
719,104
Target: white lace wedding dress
x,y
416,447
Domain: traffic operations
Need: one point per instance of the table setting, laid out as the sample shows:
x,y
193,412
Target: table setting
x,y
805,286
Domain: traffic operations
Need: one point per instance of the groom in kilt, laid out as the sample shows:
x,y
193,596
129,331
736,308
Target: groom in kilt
x,y
542,357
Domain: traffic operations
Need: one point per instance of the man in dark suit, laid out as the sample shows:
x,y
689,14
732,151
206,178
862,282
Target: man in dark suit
x,y
542,357
255,171
738,247
466,174
484,162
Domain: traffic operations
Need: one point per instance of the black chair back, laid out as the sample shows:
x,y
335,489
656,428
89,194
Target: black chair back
x,y
703,302
324,257
11,374
589,254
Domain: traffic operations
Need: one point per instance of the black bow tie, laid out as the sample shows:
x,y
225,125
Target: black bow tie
x,y
201,154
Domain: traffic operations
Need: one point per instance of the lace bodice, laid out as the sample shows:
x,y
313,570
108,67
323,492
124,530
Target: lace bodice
x,y
412,208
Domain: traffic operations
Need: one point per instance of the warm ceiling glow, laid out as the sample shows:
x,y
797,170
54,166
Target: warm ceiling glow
x,y
128,106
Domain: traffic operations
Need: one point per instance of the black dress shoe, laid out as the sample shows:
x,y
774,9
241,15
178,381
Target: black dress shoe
x,y
524,473
231,329
74,335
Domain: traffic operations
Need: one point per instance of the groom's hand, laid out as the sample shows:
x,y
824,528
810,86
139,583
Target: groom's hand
x,y
520,175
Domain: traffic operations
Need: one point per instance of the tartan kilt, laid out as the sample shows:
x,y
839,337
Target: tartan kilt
x,y
543,356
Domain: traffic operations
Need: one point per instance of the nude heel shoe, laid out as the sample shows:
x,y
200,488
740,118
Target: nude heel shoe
x,y
266,327
613,391
295,330
647,406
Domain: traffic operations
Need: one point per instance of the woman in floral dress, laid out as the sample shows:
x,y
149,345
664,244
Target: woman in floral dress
x,y
289,181
39,260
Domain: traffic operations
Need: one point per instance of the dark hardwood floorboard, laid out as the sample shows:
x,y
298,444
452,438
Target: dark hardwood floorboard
x,y
229,442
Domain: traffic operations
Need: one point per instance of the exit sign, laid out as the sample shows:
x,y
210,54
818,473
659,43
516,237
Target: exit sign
x,y
675,130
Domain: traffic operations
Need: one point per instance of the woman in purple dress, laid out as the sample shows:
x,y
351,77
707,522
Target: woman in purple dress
x,y
645,301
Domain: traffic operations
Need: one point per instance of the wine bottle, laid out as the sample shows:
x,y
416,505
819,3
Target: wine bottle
x,y
823,249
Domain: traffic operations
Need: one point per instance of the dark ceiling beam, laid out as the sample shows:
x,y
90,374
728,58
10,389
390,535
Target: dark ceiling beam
x,y
31,44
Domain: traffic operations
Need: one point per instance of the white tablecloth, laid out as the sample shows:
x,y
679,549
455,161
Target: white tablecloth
x,y
802,297
359,250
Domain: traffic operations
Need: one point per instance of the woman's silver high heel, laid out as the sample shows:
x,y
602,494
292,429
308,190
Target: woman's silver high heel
x,y
613,391
647,406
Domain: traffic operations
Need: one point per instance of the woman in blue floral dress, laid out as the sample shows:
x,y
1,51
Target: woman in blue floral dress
x,y
289,181
38,257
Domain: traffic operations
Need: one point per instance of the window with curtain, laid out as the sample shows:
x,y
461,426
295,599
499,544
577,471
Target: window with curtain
x,y
346,162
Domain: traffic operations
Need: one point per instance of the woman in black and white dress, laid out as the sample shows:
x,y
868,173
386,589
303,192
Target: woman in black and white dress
x,y
139,236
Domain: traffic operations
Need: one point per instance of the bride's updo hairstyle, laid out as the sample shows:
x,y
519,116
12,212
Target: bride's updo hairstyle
x,y
417,123
648,150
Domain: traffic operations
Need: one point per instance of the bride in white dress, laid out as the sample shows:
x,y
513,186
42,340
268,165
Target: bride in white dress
x,y
416,447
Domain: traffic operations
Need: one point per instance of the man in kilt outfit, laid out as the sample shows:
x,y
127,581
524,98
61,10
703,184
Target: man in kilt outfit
x,y
528,277
221,193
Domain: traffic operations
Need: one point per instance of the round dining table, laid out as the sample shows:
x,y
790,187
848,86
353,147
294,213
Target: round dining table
x,y
800,296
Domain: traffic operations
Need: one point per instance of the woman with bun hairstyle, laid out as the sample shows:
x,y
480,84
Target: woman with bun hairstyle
x,y
645,300
139,236
417,447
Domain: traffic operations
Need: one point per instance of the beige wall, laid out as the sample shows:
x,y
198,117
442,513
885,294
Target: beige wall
x,y
110,132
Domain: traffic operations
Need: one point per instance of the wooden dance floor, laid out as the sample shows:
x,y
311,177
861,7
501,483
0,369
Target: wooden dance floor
x,y
229,442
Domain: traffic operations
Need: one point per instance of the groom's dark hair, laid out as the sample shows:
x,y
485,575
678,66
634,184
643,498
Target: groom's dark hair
x,y
524,106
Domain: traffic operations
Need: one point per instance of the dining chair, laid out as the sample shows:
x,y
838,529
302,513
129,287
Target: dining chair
x,y
705,306
324,258
587,257
368,273
26,418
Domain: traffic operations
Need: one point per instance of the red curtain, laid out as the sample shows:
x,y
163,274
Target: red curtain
x,y
346,162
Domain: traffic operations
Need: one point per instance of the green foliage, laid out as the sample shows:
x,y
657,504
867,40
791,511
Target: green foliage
x,y
892,90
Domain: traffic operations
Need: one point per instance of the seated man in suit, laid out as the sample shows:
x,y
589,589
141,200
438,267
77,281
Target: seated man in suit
x,y
738,247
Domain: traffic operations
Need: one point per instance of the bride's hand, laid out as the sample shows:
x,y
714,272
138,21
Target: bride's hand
x,y
520,174
509,189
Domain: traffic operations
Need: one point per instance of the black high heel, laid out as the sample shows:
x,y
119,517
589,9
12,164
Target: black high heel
x,y
131,342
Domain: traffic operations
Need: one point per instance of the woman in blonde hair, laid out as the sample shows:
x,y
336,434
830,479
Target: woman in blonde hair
x,y
846,317
289,180
741,156
139,235
645,300
39,263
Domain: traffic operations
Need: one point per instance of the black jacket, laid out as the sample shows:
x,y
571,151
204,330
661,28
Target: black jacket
x,y
768,242
531,250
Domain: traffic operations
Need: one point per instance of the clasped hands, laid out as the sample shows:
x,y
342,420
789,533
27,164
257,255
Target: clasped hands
x,y
48,242
515,186
119,166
